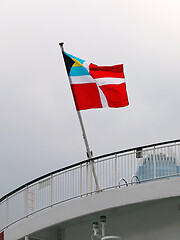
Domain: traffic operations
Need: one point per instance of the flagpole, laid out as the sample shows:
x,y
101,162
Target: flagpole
x,y
89,152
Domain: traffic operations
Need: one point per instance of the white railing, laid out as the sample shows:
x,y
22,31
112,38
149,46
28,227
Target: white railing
x,y
119,169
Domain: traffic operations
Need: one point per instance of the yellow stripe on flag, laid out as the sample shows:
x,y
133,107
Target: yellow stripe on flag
x,y
77,63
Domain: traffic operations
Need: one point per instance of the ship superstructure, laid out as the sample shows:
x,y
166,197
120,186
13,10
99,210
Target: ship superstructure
x,y
139,195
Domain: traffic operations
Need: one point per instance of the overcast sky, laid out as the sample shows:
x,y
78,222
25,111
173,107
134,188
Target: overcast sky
x,y
39,128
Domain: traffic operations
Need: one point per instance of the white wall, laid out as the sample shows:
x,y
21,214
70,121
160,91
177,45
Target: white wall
x,y
154,221
144,211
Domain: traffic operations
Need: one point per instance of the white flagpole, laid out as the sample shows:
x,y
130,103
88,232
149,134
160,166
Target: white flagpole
x,y
89,152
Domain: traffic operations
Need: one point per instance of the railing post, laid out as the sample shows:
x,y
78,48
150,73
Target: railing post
x,y
154,159
87,178
26,237
51,190
26,201
178,154
7,211
81,180
91,172
72,184
116,170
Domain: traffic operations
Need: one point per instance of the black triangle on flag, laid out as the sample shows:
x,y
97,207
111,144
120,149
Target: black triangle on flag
x,y
68,62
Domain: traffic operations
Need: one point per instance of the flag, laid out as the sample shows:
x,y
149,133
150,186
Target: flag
x,y
95,86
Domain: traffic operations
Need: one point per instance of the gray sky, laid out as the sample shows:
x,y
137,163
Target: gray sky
x,y
39,128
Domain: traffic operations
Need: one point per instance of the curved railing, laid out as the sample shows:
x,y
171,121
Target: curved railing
x,y
147,163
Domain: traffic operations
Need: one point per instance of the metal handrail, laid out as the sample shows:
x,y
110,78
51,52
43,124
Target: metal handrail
x,y
134,176
122,179
83,162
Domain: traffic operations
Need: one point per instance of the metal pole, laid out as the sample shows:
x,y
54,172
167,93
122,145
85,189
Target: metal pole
x,y
89,152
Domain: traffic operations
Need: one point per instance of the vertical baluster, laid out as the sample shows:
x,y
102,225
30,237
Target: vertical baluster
x,y
171,158
77,181
109,173
72,183
39,193
67,184
178,153
91,172
106,179
35,197
131,174
26,201
176,158
161,161
103,185
122,167
7,211
55,189
165,161
58,187
128,168
51,190
154,158
33,203
112,172
115,159
148,164
80,180
87,178
168,159
63,189
125,167
100,172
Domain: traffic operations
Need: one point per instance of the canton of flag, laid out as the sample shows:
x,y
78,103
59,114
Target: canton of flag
x,y
96,86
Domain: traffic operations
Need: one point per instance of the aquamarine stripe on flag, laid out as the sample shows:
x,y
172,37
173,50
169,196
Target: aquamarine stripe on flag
x,y
79,59
78,71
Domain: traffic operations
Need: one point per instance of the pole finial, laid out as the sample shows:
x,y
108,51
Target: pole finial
x,y
61,45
